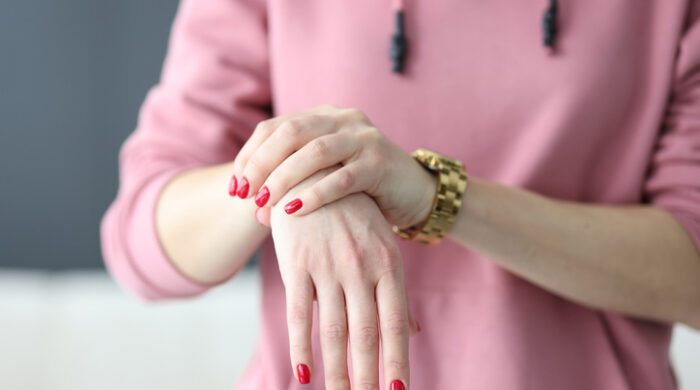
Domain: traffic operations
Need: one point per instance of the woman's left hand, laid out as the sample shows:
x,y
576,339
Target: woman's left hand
x,y
285,150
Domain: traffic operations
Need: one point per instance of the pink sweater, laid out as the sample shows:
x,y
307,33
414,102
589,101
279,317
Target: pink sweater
x,y
613,116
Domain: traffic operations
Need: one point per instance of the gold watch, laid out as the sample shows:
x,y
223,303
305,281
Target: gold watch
x,y
451,184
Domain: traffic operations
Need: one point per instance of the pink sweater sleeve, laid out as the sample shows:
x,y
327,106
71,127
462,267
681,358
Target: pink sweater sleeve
x,y
213,91
674,181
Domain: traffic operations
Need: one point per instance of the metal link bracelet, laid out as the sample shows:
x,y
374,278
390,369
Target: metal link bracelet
x,y
451,185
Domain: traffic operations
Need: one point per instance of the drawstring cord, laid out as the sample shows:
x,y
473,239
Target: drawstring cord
x,y
549,24
399,44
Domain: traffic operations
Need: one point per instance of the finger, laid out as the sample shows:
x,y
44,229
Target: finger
x,y
289,137
320,153
334,336
394,327
347,180
262,215
262,131
364,336
300,295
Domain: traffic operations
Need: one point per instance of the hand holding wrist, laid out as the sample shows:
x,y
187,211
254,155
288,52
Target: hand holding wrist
x,y
285,150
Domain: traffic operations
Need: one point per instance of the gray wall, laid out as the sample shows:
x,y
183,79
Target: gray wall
x,y
73,74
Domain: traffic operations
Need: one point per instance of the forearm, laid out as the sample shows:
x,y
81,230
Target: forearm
x,y
636,260
206,234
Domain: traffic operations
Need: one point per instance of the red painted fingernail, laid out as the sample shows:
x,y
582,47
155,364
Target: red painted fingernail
x,y
232,186
293,206
397,385
243,189
262,197
303,374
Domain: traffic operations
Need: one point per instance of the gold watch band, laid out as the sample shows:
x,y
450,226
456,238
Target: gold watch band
x,y
451,184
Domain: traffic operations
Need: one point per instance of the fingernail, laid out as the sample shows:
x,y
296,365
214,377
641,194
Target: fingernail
x,y
303,374
293,206
243,189
232,186
397,385
262,197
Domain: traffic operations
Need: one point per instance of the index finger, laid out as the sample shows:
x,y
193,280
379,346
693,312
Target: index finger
x,y
262,131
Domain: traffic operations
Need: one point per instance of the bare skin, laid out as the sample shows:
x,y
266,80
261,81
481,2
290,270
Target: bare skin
x,y
636,260
206,235
359,287
357,276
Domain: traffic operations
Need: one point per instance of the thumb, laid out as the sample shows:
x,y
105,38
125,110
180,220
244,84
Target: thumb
x,y
262,215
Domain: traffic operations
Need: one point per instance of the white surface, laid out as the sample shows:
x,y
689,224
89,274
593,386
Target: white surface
x,y
79,331
685,353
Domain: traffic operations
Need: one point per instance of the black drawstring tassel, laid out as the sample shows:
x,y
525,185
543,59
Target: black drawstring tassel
x,y
399,45
549,24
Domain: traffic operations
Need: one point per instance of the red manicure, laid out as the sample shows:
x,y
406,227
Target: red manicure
x,y
243,189
303,374
262,197
232,186
293,206
397,385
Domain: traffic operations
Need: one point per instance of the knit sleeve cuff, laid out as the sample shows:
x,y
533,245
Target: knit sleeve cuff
x,y
148,257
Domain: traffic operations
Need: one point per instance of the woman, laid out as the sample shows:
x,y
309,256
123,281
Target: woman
x,y
571,252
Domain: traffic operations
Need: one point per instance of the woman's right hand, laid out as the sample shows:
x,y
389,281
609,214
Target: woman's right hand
x,y
345,256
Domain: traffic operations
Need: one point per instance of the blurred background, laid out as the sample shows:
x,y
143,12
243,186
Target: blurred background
x,y
73,74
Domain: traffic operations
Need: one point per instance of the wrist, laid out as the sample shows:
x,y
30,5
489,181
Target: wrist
x,y
425,204
450,181
473,213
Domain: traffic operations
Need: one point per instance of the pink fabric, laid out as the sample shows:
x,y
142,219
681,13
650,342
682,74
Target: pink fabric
x,y
612,117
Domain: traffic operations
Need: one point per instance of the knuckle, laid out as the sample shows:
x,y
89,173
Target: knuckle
x,y
346,179
297,315
291,128
395,324
265,127
337,382
367,386
396,364
319,149
367,336
356,114
300,349
335,332
372,132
